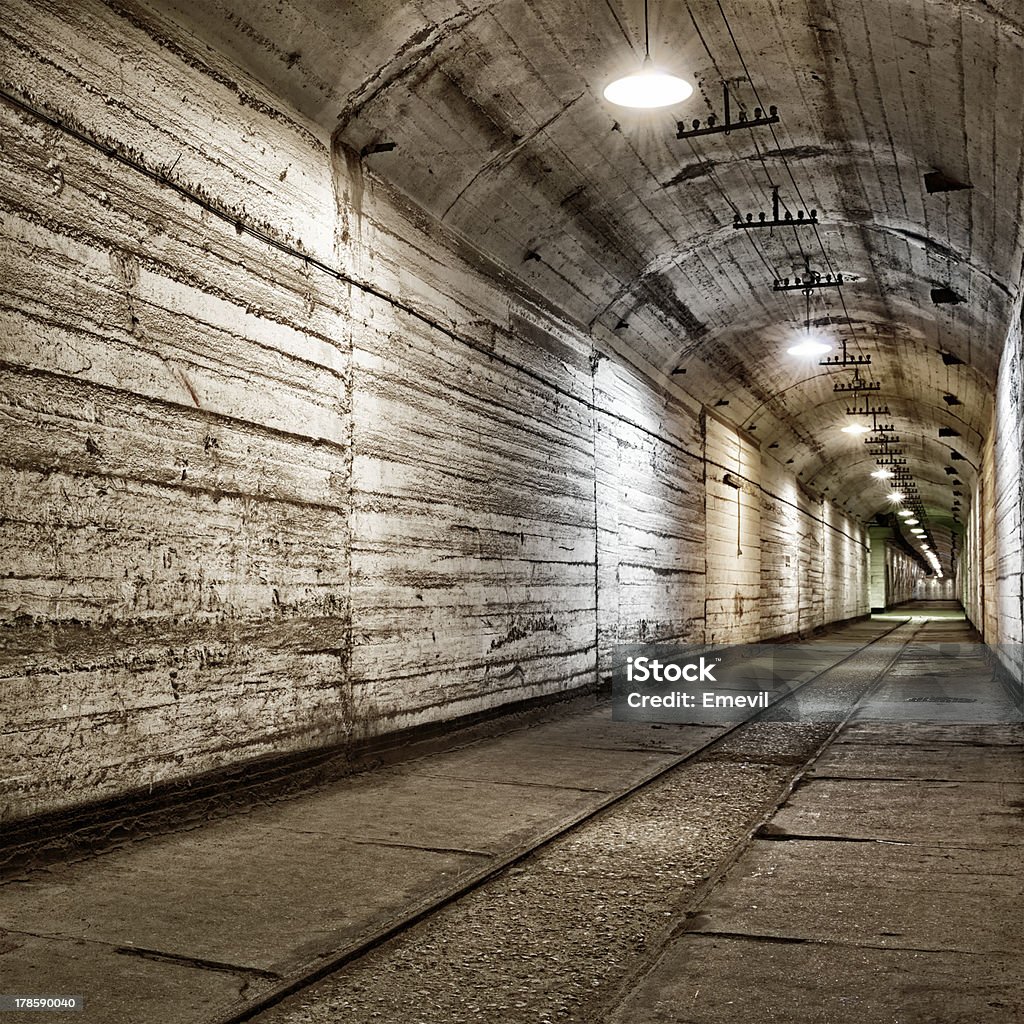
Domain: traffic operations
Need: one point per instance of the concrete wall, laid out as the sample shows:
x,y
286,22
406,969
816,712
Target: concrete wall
x,y
994,545
287,465
174,504
814,558
894,574
929,588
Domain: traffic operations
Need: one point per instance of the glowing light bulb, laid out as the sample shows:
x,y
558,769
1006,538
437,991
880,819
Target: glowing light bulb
x,y
911,522
649,88
808,348
856,428
882,474
896,496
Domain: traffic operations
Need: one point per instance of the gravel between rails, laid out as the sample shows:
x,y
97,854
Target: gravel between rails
x,y
558,936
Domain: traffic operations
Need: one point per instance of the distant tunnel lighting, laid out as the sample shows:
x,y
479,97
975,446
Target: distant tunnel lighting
x,y
808,348
905,512
856,428
895,496
882,474
911,522
918,532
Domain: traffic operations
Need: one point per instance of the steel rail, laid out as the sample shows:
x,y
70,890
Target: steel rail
x,y
331,961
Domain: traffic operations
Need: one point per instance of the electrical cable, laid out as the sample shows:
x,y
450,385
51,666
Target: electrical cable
x,y
789,172
830,267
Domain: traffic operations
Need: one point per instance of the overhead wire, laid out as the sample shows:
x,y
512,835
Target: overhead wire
x,y
789,172
709,164
829,265
761,158
712,174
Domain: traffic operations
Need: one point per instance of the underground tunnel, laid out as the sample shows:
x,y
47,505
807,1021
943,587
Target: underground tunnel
x,y
377,378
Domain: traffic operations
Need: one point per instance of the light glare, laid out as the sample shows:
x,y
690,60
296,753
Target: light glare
x,y
808,348
648,89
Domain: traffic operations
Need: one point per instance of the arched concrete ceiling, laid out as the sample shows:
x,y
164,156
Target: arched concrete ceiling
x,y
501,131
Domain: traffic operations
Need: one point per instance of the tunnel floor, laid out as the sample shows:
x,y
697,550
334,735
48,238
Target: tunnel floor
x,y
951,611
788,871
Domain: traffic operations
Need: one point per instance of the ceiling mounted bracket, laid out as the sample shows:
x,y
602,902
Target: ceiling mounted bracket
x,y
377,147
867,410
857,384
809,282
788,220
712,127
946,296
845,359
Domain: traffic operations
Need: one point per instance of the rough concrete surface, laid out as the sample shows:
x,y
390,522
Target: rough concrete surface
x,y
363,370
562,933
876,894
263,897
195,920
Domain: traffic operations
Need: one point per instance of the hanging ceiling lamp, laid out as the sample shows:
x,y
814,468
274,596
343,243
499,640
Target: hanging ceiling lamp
x,y
810,346
650,87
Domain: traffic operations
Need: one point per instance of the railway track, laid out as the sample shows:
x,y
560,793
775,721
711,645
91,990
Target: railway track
x,y
729,786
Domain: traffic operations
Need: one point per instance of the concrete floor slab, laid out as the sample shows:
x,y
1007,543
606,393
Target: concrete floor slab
x,y
900,866
597,730
912,811
241,894
912,733
467,815
512,761
944,684
133,988
988,713
717,980
936,761
873,894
